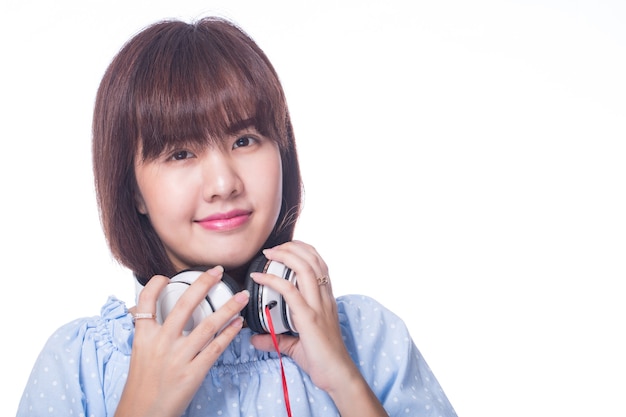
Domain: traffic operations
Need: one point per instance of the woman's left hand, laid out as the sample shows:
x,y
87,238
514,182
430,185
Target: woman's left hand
x,y
319,348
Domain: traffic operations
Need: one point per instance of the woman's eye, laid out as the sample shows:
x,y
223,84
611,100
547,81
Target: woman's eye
x,y
244,141
180,155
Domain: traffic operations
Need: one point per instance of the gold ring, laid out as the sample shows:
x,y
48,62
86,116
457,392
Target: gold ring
x,y
322,280
138,316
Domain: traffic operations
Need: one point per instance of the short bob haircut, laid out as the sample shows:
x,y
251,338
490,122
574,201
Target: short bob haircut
x,y
180,83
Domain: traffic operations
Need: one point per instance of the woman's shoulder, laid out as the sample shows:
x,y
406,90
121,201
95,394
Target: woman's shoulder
x,y
379,342
367,326
85,358
111,330
365,310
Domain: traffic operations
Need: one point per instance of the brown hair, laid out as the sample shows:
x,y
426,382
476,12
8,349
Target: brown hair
x,y
174,83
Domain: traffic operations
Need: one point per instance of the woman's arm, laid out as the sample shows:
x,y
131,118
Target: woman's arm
x,y
319,348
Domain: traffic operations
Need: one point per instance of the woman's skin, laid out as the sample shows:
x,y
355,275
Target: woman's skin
x,y
215,206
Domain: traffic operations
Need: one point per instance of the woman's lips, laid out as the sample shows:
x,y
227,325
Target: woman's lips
x,y
225,221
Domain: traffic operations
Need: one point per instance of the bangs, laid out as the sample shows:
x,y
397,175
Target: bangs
x,y
194,86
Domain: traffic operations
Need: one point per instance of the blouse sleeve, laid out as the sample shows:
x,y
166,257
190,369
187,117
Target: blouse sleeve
x,y
71,376
382,348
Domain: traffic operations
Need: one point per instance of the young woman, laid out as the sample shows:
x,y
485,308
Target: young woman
x,y
196,169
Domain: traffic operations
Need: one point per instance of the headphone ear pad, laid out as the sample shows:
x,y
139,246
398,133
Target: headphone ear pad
x,y
262,296
218,295
230,283
252,312
173,291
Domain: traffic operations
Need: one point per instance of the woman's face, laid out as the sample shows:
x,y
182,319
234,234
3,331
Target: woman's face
x,y
213,204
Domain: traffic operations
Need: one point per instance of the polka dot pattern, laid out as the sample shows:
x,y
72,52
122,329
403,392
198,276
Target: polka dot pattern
x,y
84,365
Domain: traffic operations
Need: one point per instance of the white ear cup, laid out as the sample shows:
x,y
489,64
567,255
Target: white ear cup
x,y
219,294
280,312
254,313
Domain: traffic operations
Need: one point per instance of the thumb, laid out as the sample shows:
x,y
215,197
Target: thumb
x,y
265,343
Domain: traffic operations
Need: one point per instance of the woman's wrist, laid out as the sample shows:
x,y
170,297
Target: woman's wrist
x,y
353,396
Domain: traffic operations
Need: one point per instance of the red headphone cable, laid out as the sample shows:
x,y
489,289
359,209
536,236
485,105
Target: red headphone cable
x,y
280,358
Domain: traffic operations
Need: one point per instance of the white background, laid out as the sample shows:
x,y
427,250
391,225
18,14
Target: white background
x,y
464,164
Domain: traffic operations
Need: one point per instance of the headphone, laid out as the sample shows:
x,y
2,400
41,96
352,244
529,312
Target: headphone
x,y
254,313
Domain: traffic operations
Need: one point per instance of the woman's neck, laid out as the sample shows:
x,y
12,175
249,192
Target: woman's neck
x,y
239,273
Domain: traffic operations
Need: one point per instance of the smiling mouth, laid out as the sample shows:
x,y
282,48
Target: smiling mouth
x,y
225,221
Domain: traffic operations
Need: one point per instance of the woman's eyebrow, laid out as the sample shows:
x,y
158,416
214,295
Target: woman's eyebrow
x,y
242,125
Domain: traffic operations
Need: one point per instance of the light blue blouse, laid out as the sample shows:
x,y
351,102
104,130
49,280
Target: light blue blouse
x,y
83,367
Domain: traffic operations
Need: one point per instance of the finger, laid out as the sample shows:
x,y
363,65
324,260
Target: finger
x,y
300,250
305,257
147,299
178,317
212,351
309,267
217,323
302,310
265,343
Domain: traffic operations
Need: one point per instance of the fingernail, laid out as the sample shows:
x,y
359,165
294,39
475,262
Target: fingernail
x,y
242,297
255,275
216,271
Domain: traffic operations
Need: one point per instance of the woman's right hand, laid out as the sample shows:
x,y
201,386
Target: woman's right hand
x,y
166,367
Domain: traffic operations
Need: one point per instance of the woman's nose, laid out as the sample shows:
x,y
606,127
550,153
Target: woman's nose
x,y
220,176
